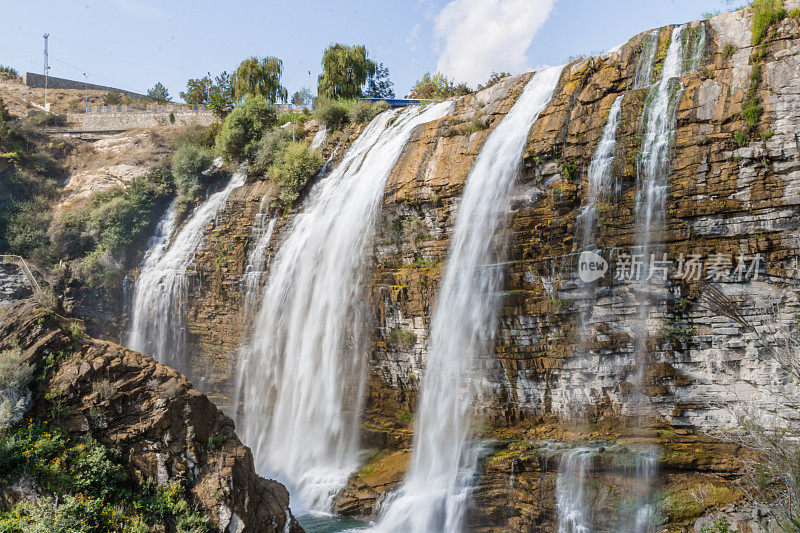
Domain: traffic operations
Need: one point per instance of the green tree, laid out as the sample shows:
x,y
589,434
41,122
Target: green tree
x,y
345,70
243,128
197,91
302,98
159,93
379,85
221,98
259,77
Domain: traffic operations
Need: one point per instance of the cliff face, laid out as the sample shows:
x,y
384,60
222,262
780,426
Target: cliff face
x,y
568,359
723,198
161,426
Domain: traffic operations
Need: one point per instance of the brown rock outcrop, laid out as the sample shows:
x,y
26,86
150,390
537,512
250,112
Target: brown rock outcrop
x,y
151,414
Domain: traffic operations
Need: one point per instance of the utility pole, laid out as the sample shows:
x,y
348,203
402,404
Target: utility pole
x,y
208,91
46,69
86,93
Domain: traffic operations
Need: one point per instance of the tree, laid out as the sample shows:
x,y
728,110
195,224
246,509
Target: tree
x,y
197,91
345,69
494,77
437,86
379,85
259,77
243,127
220,96
159,93
302,98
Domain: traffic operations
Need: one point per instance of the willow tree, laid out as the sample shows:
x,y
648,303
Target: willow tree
x,y
345,70
259,77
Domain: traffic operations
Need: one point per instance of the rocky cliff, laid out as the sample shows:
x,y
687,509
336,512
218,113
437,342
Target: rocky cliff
x,y
162,428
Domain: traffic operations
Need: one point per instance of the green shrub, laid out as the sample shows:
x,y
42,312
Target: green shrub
x,y
188,164
15,376
363,111
14,371
740,138
402,338
729,50
752,112
271,145
332,113
765,14
243,128
292,168
89,486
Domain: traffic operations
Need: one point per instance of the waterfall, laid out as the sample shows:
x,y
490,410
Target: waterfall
x,y
574,511
319,138
644,64
654,158
257,260
157,314
600,170
645,471
434,494
303,374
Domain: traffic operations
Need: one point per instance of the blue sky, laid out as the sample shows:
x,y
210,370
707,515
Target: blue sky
x,y
134,43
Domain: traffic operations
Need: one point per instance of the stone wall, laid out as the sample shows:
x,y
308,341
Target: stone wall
x,y
124,121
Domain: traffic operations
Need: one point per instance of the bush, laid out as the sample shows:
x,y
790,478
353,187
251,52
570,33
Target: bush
x,y
15,376
188,165
402,338
765,14
89,487
112,98
332,113
363,111
437,87
8,72
271,145
243,128
292,168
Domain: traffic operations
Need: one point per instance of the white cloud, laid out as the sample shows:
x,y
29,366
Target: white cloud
x,y
479,36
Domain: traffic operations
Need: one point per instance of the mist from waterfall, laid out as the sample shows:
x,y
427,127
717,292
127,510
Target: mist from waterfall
x,y
302,376
436,488
159,295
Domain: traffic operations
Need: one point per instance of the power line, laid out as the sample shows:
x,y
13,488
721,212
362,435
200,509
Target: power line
x,y
121,85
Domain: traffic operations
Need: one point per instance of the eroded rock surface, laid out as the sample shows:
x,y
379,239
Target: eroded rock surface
x,y
161,425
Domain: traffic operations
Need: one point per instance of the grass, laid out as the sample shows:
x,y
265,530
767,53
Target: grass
x,y
765,14
729,50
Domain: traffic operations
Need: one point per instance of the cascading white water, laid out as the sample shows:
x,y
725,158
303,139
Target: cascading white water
x,y
644,64
654,158
257,260
574,512
434,493
302,377
645,471
157,318
600,173
319,138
